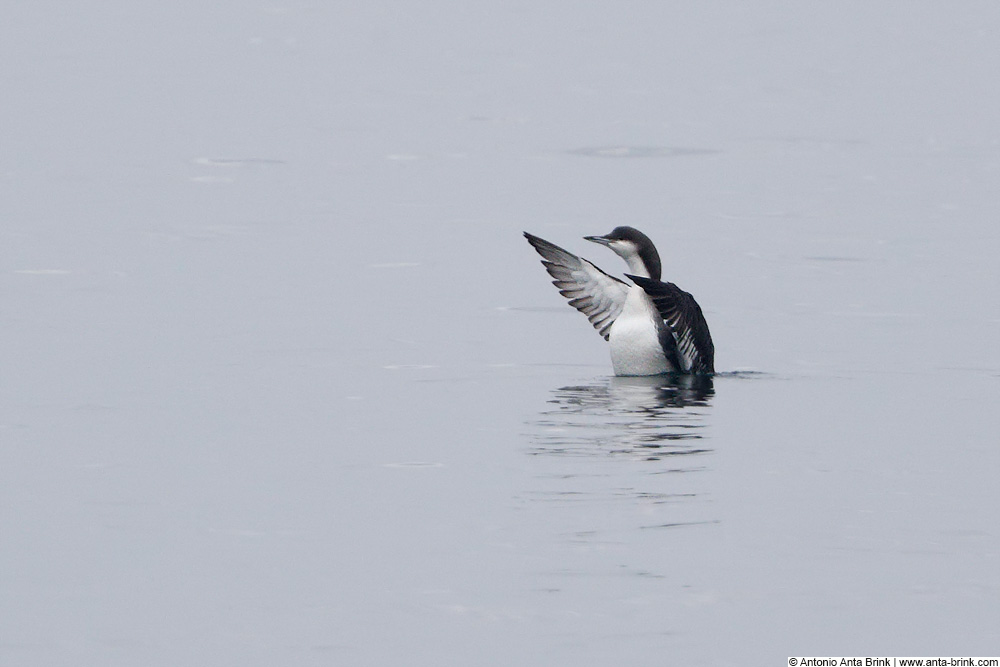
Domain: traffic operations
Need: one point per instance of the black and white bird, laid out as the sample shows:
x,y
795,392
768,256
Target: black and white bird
x,y
653,327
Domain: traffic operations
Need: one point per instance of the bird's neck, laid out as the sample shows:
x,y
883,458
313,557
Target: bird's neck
x,y
637,267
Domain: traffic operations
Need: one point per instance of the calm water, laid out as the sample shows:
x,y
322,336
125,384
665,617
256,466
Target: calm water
x,y
283,383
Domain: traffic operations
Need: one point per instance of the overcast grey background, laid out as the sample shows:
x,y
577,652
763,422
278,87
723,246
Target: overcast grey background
x,y
281,382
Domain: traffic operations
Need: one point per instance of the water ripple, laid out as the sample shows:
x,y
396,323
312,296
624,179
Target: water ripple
x,y
640,151
648,418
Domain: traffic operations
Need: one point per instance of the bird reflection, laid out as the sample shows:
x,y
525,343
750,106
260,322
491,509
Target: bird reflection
x,y
642,417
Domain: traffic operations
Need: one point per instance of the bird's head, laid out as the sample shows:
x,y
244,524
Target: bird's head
x,y
635,248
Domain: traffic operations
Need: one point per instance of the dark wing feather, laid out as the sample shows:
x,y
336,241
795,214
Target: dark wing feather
x,y
683,314
591,291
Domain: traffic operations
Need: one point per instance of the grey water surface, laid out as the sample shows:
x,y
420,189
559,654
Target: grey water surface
x,y
282,384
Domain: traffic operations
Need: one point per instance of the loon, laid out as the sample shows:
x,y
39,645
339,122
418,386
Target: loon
x,y
653,327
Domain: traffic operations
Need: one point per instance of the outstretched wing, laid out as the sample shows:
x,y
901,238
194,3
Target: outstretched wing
x,y
591,291
683,314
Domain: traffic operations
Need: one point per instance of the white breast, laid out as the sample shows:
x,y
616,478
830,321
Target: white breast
x,y
635,340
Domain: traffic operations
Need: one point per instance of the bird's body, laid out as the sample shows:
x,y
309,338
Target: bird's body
x,y
634,337
653,327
